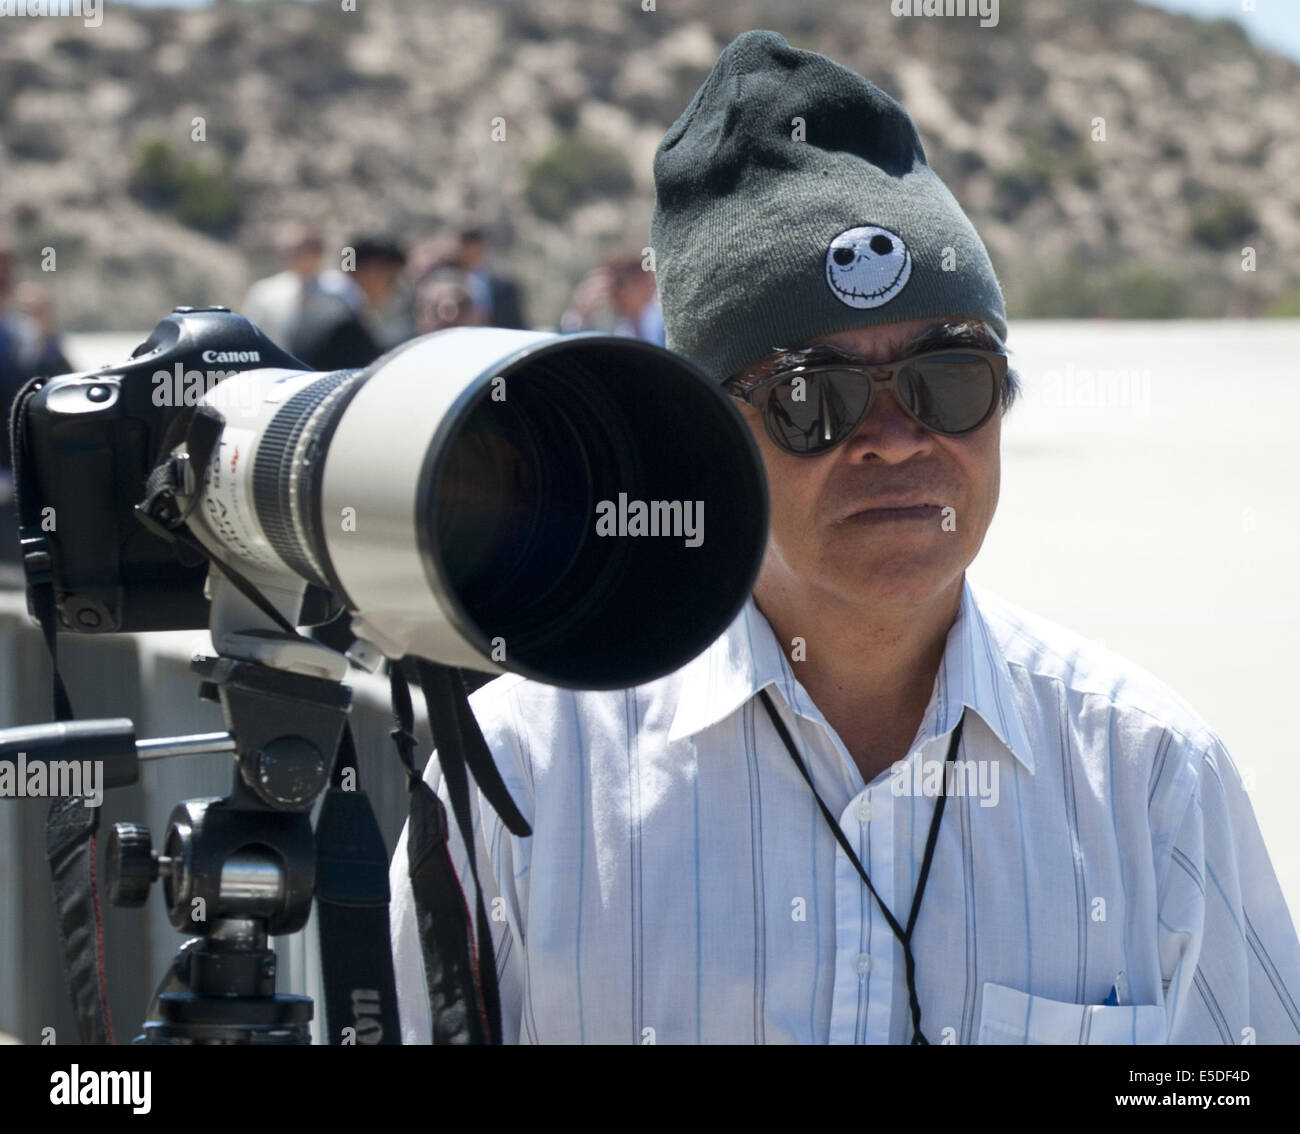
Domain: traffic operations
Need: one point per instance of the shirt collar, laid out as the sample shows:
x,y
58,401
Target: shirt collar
x,y
746,657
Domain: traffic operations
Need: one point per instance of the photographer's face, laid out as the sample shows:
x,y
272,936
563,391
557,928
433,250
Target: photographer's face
x,y
819,537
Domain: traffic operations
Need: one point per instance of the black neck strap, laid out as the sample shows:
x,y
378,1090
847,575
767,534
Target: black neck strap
x,y
904,935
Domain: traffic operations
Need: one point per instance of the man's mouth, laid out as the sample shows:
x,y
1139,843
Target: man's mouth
x,y
897,507
883,515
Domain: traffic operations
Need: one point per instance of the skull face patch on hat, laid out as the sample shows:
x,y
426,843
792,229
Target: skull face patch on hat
x,y
867,266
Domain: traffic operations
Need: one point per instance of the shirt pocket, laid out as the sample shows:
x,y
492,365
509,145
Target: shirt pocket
x,y
1011,1016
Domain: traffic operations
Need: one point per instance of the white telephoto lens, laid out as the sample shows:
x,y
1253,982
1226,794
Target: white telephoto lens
x,y
499,500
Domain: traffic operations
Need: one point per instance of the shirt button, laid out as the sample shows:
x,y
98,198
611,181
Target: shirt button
x,y
862,810
862,963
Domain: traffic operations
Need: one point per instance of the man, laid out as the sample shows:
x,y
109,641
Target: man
x,y
19,343
624,286
20,351
733,853
275,303
334,334
441,300
35,302
495,294
640,315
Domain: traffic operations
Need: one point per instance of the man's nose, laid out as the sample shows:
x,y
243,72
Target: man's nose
x,y
887,430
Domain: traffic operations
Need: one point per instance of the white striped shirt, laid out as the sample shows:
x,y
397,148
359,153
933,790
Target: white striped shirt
x,y
1099,876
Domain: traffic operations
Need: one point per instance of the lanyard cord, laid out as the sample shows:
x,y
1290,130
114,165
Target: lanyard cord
x,y
903,935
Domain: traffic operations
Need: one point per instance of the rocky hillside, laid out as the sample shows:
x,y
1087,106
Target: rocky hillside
x,y
156,154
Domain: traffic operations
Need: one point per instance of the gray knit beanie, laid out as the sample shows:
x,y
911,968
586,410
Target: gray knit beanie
x,y
792,200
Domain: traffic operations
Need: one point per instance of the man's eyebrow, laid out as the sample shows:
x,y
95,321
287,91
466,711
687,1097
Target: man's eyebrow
x,y
941,337
972,335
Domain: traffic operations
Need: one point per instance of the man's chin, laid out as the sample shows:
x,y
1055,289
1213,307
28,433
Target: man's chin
x,y
895,578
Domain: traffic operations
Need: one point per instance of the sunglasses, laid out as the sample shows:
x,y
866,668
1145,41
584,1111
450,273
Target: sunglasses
x,y
809,410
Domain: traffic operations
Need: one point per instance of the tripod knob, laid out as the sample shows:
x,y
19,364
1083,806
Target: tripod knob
x,y
132,865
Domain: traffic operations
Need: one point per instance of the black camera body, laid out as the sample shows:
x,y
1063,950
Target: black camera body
x,y
84,446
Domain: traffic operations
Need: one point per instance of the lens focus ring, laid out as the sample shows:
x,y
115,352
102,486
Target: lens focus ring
x,y
285,464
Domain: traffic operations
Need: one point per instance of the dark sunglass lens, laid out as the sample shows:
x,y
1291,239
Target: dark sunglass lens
x,y
950,393
808,413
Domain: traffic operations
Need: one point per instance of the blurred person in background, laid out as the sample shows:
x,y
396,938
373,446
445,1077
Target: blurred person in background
x,y
635,299
34,301
13,373
430,254
29,346
628,291
443,299
276,302
331,333
494,292
13,340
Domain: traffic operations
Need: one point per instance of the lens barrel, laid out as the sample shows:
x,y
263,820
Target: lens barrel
x,y
586,510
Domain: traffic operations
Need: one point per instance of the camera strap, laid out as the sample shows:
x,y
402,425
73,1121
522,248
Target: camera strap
x,y
37,564
71,828
464,1000
200,428
352,907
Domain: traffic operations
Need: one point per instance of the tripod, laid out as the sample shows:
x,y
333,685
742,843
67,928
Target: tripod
x,y
239,869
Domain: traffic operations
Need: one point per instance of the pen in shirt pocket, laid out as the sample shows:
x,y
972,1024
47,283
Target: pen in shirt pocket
x,y
1117,991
